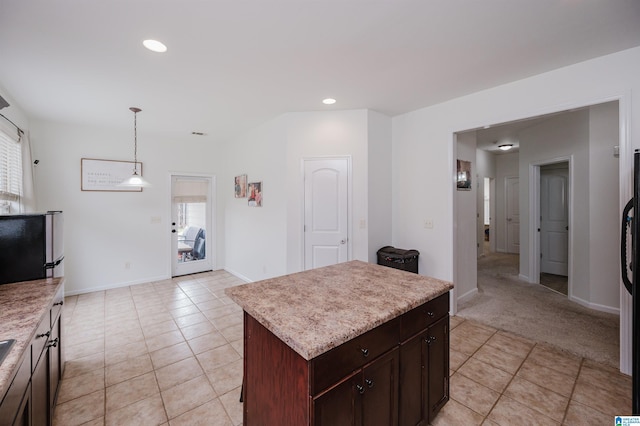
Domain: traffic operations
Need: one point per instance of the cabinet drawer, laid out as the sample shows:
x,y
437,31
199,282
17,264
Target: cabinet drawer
x,y
424,315
332,366
39,340
58,301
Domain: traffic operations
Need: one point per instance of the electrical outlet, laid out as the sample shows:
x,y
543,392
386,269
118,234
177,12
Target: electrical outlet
x,y
428,223
127,265
363,224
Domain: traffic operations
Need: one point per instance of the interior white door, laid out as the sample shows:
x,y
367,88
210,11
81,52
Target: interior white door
x,y
513,214
554,223
326,212
191,219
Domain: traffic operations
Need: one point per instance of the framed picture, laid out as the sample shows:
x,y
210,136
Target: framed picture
x,y
254,192
105,175
463,175
240,186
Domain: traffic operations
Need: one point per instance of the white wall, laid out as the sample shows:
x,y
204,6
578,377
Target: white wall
x,y
466,221
265,242
380,186
565,135
424,152
256,237
604,202
104,230
486,167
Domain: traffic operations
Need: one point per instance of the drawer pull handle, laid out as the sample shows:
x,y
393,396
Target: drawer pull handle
x,y
430,314
360,389
53,343
59,303
365,352
430,339
47,334
369,383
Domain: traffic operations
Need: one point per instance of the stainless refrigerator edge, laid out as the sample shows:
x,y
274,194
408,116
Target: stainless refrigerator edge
x,y
628,268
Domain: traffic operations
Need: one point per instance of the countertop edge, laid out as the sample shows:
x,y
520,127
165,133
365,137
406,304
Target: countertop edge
x,y
309,355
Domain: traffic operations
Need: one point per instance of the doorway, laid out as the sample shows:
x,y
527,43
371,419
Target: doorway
x,y
191,224
553,211
326,211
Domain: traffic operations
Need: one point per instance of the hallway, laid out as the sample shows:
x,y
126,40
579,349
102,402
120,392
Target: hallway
x,y
534,312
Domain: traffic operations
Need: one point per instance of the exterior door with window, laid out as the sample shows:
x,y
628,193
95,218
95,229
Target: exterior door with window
x,y
191,219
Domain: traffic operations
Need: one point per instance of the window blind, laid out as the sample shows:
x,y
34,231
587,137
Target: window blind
x,y
10,168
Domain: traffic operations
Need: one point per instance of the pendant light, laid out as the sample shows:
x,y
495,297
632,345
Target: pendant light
x,y
135,180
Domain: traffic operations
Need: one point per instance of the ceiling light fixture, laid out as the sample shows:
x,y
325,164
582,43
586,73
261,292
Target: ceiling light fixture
x,y
506,146
135,180
329,101
154,46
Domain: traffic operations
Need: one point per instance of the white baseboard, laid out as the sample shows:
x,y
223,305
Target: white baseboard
x,y
595,306
238,275
114,285
468,295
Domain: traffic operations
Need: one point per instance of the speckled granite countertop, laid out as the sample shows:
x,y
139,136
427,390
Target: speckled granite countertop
x,y
317,310
22,307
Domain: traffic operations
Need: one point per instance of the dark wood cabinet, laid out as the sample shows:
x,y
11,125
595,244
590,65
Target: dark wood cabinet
x,y
30,400
395,374
367,397
424,373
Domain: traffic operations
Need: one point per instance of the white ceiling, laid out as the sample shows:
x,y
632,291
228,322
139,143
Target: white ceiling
x,y
234,64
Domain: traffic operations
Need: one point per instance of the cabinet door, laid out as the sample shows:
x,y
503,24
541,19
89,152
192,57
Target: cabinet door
x,y
438,365
55,360
413,399
380,397
340,405
39,395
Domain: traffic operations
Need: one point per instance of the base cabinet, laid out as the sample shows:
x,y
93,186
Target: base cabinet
x,y
31,397
395,374
424,374
368,397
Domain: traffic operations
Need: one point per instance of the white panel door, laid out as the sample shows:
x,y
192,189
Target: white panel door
x,y
325,212
554,221
513,214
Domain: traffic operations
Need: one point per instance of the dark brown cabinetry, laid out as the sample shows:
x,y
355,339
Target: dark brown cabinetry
x,y
31,397
395,374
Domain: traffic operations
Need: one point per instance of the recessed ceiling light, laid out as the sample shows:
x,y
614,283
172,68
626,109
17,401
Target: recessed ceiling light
x,y
506,146
155,46
329,101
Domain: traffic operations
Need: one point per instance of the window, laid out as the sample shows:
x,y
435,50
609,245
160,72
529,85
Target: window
x,y
10,172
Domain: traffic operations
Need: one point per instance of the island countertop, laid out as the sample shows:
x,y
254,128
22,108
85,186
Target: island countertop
x,y
22,307
314,311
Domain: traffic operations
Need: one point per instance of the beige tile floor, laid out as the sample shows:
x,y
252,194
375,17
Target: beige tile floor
x,y
170,353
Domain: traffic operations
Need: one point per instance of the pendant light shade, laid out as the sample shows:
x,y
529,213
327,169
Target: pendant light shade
x,y
135,180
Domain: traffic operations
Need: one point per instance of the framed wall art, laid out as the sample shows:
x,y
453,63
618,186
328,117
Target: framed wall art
x,y
463,175
240,189
105,175
254,192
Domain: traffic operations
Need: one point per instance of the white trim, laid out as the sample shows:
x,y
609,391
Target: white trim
x,y
238,275
595,306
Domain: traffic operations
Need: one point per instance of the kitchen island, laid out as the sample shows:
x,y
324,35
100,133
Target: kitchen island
x,y
353,343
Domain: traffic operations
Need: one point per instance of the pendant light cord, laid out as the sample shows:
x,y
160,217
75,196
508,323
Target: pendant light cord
x,y
135,138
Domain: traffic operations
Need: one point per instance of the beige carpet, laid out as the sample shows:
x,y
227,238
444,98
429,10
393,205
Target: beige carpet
x,y
537,313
